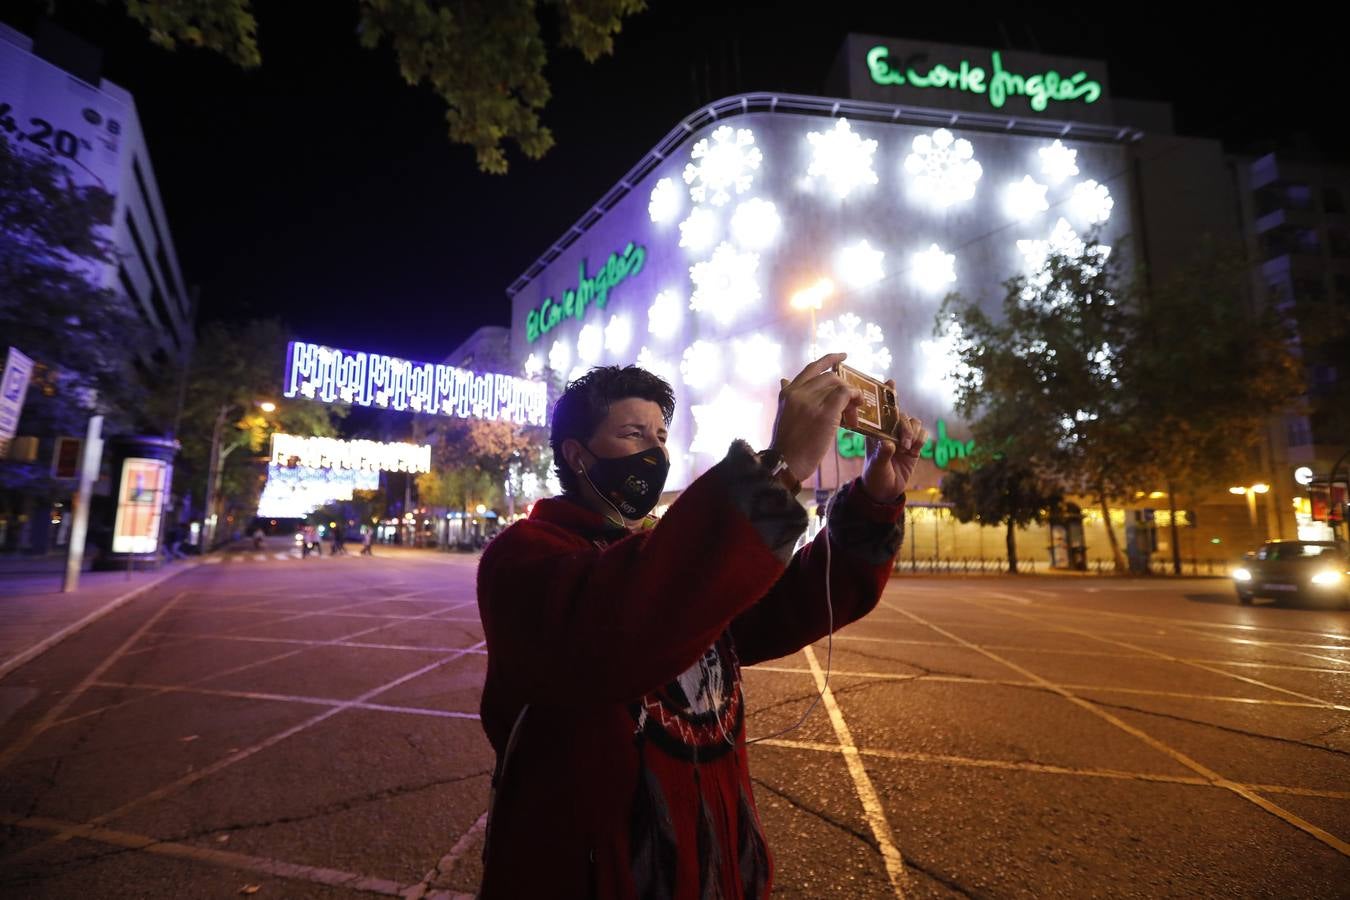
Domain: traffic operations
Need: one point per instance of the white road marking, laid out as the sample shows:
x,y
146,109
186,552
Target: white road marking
x,y
862,783
1194,765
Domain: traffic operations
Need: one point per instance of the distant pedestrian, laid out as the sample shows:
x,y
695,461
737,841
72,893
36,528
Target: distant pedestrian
x,y
337,542
367,538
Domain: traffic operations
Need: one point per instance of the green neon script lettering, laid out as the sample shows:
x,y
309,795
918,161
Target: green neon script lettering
x,y
943,449
851,444
1000,84
591,290
881,70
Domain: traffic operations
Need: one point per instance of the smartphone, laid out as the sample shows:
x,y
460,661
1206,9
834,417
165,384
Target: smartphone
x,y
878,413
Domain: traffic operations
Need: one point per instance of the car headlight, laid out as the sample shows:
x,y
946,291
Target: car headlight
x,y
1326,578
1242,575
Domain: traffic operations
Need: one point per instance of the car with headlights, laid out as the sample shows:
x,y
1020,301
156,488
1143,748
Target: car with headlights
x,y
1311,571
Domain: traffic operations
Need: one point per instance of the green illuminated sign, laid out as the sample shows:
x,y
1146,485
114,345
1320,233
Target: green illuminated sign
x,y
941,450
998,85
593,289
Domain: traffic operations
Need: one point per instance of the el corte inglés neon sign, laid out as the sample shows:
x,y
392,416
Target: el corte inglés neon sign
x,y
940,449
591,292
996,83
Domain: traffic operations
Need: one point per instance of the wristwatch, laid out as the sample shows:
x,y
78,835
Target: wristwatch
x,y
777,467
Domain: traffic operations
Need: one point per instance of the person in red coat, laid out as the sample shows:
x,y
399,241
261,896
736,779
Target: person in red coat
x,y
615,642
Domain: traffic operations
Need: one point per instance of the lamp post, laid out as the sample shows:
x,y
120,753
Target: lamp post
x,y
1251,491
811,299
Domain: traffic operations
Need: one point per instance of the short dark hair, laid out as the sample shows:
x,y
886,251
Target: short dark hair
x,y
585,403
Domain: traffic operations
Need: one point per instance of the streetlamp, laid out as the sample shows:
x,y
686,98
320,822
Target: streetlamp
x,y
813,298
217,465
1250,492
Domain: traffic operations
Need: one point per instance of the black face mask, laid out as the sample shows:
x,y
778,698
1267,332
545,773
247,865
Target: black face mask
x,y
631,484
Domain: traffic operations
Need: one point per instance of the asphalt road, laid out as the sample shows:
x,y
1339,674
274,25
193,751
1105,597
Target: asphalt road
x,y
281,727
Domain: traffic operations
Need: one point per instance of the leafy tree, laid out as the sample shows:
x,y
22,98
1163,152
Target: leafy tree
x,y
1045,380
484,58
235,369
83,338
474,453
997,491
1207,368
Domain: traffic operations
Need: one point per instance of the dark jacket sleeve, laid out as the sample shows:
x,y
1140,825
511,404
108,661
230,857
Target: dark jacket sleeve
x,y
864,538
565,619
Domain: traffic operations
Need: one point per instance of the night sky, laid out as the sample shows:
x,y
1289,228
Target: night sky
x,y
322,189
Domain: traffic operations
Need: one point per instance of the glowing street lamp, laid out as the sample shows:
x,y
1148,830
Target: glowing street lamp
x,y
813,298
1250,492
267,406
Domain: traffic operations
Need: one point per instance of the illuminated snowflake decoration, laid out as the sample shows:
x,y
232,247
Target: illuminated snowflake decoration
x,y
577,372
665,202
590,342
699,230
657,366
701,365
559,356
755,224
757,359
940,365
842,159
533,365
1064,241
618,334
943,168
1024,199
861,341
1058,162
725,286
663,316
1091,202
722,166
726,418
932,269
859,265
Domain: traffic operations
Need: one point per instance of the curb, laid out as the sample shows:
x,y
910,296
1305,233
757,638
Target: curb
x,y
43,646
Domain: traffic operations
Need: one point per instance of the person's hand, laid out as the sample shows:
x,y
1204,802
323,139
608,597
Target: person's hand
x,y
889,465
809,409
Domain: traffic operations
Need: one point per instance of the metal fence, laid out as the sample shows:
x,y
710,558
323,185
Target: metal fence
x,y
969,565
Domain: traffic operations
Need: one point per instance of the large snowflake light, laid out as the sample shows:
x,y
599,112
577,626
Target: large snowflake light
x,y
559,357
618,333
590,342
701,365
663,317
943,169
728,417
940,366
842,159
1091,202
758,360
1058,162
725,285
1063,240
933,269
699,230
665,201
755,224
656,365
533,365
577,372
1024,199
722,166
861,341
859,265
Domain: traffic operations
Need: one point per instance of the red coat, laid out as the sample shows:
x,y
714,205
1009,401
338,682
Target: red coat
x,y
628,776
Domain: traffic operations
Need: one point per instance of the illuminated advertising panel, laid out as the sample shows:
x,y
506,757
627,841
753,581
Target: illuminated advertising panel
x,y
139,504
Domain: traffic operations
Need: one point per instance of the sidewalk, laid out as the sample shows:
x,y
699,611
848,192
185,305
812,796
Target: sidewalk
x,y
35,615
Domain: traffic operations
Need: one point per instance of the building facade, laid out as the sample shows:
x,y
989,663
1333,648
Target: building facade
x,y
935,169
56,103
